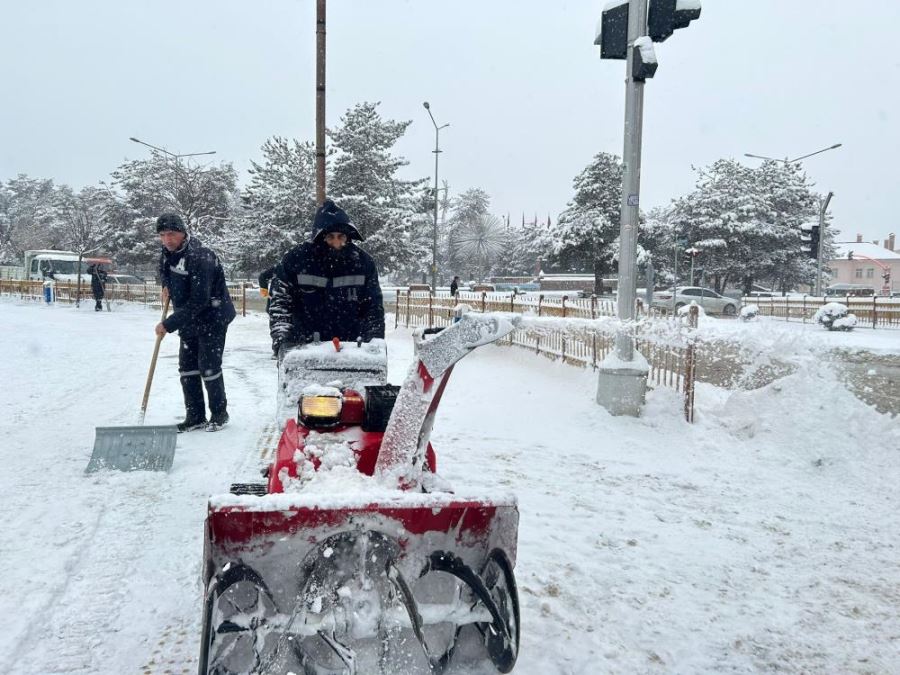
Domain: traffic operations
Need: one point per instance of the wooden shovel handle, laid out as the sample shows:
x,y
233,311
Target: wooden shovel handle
x,y
159,338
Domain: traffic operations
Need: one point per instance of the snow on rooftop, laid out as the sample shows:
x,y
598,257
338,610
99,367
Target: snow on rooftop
x,y
866,248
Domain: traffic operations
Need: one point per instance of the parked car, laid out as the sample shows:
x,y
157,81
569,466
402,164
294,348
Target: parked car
x,y
708,299
123,280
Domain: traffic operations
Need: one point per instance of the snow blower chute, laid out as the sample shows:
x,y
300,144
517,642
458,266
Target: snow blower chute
x,y
357,558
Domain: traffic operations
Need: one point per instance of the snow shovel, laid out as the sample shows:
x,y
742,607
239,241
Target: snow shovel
x,y
136,448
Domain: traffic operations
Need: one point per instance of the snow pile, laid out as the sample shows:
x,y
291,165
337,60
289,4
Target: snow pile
x,y
685,310
835,316
749,312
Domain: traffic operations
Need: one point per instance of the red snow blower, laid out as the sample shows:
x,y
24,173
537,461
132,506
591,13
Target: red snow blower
x,y
355,557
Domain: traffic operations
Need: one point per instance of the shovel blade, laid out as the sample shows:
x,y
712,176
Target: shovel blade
x,y
138,448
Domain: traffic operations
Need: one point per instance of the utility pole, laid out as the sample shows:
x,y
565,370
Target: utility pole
x,y
822,211
320,102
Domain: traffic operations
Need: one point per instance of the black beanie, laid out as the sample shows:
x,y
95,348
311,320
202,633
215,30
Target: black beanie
x,y
171,222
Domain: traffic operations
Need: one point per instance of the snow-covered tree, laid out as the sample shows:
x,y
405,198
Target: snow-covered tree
x,y
584,236
746,222
26,217
365,184
145,188
279,204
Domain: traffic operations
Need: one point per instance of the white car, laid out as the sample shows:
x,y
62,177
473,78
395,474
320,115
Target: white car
x,y
123,280
709,300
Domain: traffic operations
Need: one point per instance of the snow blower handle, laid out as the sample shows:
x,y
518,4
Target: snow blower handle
x,y
159,338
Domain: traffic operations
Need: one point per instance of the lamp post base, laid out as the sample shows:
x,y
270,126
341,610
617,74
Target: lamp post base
x,y
622,385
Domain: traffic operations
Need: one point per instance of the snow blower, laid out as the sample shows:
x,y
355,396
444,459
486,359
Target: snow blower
x,y
355,557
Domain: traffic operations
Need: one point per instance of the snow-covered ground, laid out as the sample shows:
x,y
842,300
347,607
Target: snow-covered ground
x,y
796,336
764,537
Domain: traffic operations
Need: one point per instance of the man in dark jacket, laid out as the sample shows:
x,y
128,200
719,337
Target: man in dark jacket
x,y
98,285
192,277
327,287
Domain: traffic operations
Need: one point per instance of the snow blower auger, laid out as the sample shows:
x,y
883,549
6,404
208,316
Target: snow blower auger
x,y
358,559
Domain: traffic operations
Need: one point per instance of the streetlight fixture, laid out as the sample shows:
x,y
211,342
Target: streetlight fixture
x,y
796,159
434,238
173,155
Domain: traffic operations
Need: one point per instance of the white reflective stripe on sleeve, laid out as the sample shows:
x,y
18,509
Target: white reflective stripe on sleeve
x,y
312,280
212,377
349,280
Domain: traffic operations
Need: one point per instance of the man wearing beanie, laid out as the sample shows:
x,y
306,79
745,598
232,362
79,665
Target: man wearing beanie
x,y
327,287
192,277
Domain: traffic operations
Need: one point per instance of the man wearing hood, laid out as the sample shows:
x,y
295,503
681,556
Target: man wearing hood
x,y
192,277
327,287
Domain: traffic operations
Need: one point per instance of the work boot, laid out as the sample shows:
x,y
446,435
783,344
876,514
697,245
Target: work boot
x,y
216,422
190,425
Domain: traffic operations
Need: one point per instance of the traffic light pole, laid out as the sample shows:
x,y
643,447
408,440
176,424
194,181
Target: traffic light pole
x,y
822,211
631,181
622,375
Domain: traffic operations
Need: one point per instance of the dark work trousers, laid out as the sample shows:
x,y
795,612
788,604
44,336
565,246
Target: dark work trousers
x,y
200,360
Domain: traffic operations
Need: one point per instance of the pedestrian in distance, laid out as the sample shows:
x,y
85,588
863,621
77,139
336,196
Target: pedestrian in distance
x,y
327,287
265,290
98,285
454,287
192,277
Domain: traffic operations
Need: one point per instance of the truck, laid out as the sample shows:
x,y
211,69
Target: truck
x,y
59,265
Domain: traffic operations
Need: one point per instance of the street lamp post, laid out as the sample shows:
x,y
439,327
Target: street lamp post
x,y
174,156
434,237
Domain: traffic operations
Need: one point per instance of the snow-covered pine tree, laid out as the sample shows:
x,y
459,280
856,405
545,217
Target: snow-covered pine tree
x,y
746,222
583,239
365,184
782,262
279,204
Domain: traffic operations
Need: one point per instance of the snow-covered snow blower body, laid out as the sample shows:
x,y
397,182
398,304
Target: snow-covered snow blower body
x,y
358,558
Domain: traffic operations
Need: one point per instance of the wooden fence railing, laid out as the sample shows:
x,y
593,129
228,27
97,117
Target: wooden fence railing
x,y
577,344
146,293
873,311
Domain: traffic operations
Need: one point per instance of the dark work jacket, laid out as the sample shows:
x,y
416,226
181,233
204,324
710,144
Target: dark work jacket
x,y
98,281
196,284
330,293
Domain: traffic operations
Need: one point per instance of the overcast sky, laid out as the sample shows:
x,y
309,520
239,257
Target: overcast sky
x,y
527,97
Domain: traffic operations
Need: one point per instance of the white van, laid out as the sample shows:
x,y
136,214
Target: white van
x,y
58,265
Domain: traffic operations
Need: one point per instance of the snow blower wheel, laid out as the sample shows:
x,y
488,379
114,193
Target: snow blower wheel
x,y
237,609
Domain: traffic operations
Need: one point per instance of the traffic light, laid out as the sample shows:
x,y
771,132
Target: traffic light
x,y
613,35
809,240
664,17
